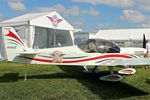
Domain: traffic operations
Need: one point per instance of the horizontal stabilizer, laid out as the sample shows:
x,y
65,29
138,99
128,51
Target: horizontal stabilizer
x,y
29,52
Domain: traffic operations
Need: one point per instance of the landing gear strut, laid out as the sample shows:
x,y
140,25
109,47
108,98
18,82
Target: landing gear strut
x,y
111,70
91,70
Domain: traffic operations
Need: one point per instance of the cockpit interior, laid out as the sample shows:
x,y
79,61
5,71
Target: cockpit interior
x,y
99,46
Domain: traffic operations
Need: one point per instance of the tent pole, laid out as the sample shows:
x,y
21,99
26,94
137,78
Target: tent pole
x,y
55,38
30,36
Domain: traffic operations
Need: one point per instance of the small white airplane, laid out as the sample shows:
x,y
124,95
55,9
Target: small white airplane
x,y
54,45
89,53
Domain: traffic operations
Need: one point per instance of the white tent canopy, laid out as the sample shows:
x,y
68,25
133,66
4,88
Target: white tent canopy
x,y
25,24
123,34
38,19
43,30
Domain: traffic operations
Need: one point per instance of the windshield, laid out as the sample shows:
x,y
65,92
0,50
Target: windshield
x,y
99,46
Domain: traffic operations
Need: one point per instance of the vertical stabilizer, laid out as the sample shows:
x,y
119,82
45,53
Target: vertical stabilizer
x,y
12,43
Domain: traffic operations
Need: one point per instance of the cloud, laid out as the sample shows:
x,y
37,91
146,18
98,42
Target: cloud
x,y
136,4
108,26
2,17
132,16
1,14
17,5
143,4
91,12
78,23
137,17
146,24
70,11
114,3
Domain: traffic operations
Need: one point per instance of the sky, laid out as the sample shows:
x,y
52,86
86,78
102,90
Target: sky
x,y
88,15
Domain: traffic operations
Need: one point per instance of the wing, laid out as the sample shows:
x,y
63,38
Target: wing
x,y
132,61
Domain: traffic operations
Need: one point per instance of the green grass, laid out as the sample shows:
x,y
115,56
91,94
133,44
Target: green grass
x,y
47,82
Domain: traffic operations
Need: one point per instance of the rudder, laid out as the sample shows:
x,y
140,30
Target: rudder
x,y
12,43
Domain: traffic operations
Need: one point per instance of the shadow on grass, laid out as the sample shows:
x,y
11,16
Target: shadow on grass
x,y
105,90
9,77
148,80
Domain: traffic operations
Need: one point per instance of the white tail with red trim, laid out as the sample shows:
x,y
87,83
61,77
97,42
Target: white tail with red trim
x,y
12,43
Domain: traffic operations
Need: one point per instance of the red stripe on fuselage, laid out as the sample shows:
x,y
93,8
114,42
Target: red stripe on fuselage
x,y
87,59
41,60
99,57
11,34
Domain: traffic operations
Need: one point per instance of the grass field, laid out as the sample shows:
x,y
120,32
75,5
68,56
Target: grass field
x,y
68,83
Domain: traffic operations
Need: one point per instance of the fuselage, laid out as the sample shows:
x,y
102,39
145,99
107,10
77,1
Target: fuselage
x,y
62,52
70,55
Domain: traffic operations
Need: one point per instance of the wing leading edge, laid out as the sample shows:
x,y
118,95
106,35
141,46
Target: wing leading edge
x,y
128,62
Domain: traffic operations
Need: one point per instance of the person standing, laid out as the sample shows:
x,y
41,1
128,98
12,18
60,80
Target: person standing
x,y
147,51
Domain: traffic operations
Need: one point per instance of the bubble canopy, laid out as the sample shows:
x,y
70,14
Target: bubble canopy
x,y
99,46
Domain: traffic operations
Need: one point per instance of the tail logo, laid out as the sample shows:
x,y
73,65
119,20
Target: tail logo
x,y
12,35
